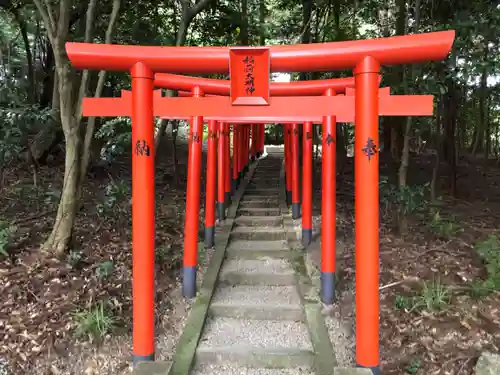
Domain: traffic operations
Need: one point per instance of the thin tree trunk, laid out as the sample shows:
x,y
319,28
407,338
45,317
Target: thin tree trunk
x,y
29,56
91,121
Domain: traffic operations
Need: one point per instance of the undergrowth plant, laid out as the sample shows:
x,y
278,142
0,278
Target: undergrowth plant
x,y
95,322
116,192
444,227
434,296
6,234
489,251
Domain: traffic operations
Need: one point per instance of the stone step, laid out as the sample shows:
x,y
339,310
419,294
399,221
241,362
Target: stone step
x,y
262,190
251,221
266,197
265,180
266,271
235,370
263,211
257,302
256,250
152,368
255,343
244,204
258,233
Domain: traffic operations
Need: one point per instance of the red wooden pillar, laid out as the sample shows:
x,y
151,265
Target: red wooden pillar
x,y
255,140
307,153
262,134
236,171
211,184
366,182
295,171
245,148
227,162
328,204
143,214
288,164
192,204
221,172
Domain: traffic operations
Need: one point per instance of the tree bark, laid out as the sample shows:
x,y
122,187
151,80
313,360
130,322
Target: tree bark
x,y
91,121
70,116
189,12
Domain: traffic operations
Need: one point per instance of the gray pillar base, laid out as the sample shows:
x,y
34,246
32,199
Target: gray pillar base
x,y
227,199
221,211
375,369
189,282
328,287
295,210
234,184
209,237
306,236
288,197
142,358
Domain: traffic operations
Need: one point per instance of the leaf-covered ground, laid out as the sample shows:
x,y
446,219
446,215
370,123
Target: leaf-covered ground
x,y
434,319
436,316
42,299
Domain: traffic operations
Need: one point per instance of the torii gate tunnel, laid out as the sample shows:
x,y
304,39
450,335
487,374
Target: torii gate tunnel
x,y
247,102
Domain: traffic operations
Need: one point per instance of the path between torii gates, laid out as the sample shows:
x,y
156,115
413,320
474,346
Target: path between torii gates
x,y
256,312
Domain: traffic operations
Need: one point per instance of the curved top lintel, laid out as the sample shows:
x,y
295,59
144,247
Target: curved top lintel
x,y
222,87
394,50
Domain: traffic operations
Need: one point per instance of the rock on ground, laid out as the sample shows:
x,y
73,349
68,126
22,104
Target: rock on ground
x,y
488,364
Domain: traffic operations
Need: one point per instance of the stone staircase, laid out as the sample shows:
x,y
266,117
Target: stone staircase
x,y
255,314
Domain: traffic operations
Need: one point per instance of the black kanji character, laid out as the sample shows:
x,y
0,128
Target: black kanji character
x,y
329,139
370,148
142,148
195,137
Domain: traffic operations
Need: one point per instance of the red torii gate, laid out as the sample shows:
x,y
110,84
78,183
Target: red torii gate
x,y
364,57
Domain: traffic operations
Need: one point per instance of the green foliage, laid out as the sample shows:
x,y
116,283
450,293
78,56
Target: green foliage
x,y
105,269
117,135
443,227
115,194
402,303
6,234
434,296
413,366
95,322
409,199
14,127
489,251
75,257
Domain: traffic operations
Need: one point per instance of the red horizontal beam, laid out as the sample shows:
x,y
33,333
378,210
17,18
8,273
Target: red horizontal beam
x,y
222,87
296,109
394,50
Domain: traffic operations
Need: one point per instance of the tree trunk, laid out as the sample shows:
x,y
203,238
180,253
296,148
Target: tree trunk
x,y
91,121
244,36
188,14
29,56
57,26
60,237
307,7
262,22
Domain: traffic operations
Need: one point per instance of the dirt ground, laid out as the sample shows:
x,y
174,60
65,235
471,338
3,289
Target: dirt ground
x,y
39,296
447,325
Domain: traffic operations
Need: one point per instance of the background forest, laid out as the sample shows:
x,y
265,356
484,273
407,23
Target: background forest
x,y
65,180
